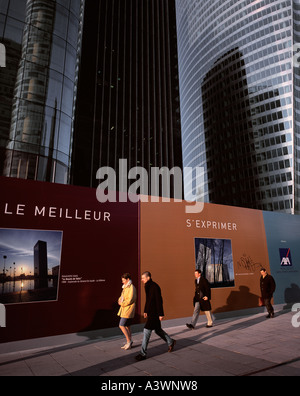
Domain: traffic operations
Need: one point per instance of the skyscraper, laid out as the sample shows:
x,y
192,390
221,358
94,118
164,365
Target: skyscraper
x,y
40,265
239,100
128,96
42,39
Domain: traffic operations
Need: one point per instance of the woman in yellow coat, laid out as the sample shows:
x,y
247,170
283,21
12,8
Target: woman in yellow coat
x,y
127,303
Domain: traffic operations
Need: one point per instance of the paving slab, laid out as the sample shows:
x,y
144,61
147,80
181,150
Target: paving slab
x,y
239,346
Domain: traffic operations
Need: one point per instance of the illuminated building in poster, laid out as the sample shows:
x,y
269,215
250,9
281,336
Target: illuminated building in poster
x,y
41,265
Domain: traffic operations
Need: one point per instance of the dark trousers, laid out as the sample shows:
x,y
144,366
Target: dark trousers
x,y
269,306
147,334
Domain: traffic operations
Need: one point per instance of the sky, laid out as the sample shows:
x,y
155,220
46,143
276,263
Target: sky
x,y
18,246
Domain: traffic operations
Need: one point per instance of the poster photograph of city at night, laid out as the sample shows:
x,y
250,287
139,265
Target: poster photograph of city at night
x,y
29,265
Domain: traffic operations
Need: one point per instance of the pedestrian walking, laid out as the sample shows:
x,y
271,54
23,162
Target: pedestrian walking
x,y
267,287
201,301
127,303
154,313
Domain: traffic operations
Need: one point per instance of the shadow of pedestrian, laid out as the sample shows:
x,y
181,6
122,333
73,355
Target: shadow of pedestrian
x,y
291,295
106,323
240,300
214,332
103,319
122,362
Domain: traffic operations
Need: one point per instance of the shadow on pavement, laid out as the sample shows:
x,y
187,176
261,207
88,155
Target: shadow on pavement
x,y
105,367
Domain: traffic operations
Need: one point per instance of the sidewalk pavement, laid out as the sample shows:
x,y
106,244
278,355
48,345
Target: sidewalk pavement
x,y
240,346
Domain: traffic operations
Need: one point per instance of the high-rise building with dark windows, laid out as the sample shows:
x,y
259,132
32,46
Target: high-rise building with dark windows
x,y
117,59
128,95
42,39
40,265
239,96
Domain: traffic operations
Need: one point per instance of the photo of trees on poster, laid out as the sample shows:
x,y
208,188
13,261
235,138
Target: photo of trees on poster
x,y
214,259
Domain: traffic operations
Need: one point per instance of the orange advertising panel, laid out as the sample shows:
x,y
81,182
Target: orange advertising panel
x,y
227,244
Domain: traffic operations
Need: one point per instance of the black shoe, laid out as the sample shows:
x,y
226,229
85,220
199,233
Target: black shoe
x,y
140,357
190,326
209,326
268,317
171,347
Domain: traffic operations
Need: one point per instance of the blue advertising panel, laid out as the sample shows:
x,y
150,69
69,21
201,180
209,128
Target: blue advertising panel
x,y
283,239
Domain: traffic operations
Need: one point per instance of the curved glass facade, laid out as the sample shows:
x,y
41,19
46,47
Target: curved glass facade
x,y
237,104
38,87
296,59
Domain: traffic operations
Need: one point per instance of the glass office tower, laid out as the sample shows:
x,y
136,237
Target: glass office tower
x,y
240,112
128,93
38,87
296,64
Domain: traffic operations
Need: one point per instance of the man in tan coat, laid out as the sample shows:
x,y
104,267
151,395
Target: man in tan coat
x,y
127,303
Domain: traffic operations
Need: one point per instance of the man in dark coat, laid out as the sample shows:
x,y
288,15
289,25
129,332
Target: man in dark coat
x,y
267,287
154,313
201,300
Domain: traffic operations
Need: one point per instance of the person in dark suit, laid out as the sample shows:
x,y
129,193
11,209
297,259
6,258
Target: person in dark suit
x,y
201,300
154,313
267,287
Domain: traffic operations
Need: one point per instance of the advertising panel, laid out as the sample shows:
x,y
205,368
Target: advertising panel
x,y
227,244
62,255
283,236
